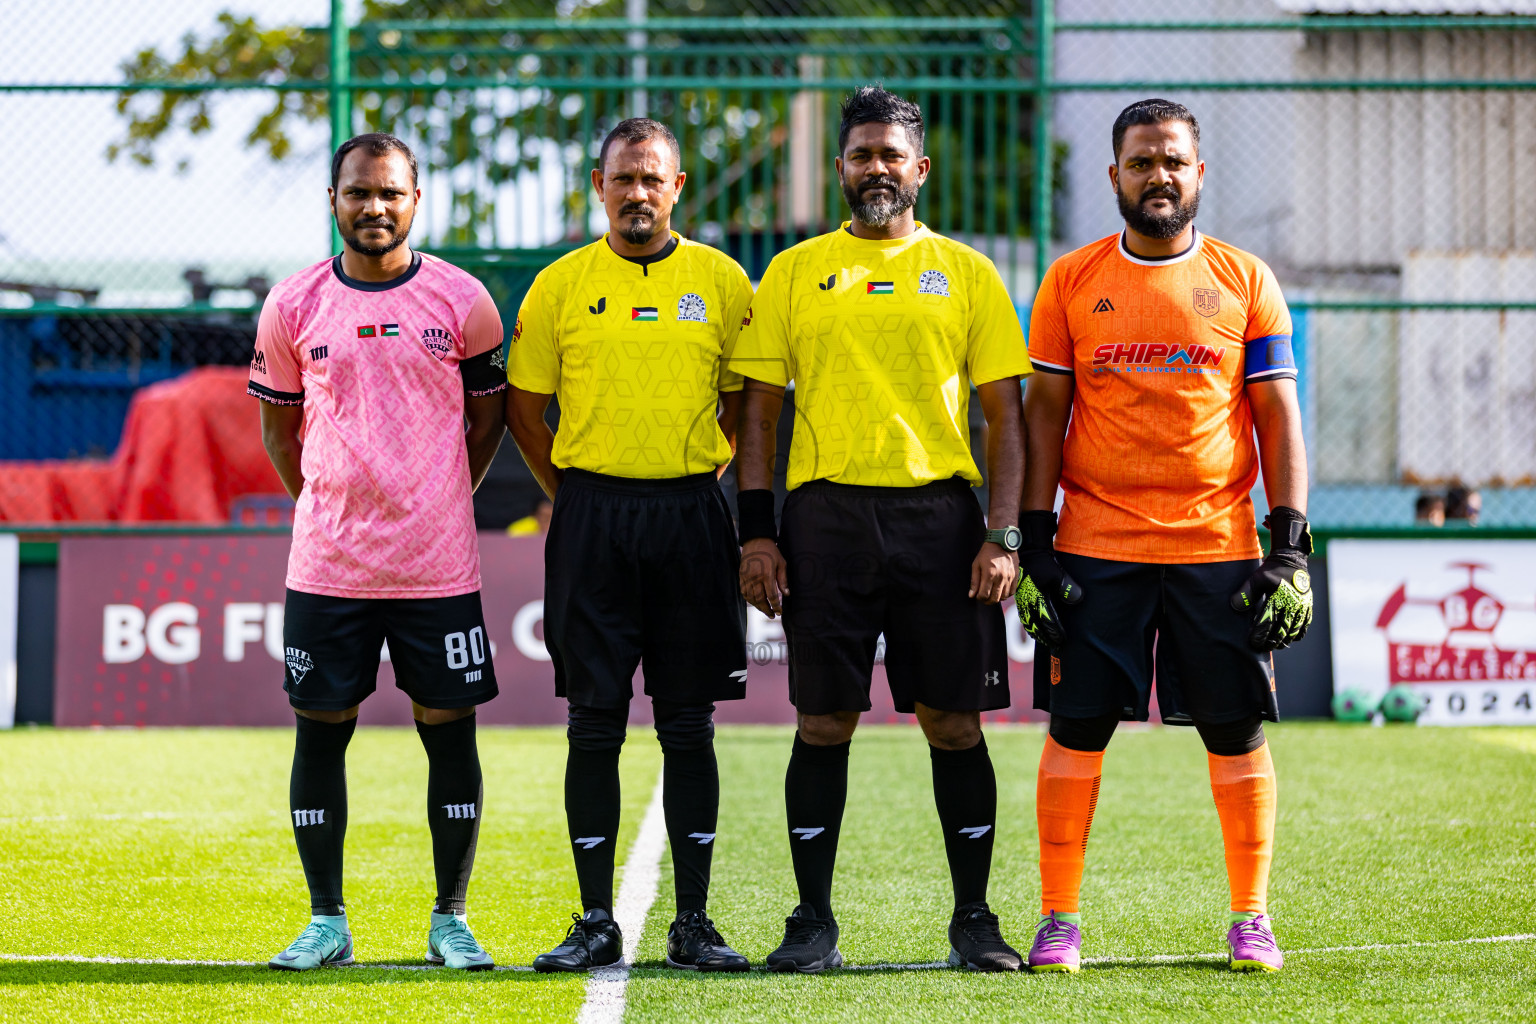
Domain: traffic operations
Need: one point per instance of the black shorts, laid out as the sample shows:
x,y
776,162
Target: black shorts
x,y
644,571
437,645
1136,617
894,560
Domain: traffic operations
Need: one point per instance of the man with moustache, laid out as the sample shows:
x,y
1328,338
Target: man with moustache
x,y
367,366
882,325
641,553
1160,353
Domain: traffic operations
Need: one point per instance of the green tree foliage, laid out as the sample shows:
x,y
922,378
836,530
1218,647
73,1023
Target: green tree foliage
x,y
484,106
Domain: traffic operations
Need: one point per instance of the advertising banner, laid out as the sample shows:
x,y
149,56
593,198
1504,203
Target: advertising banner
x,y
10,574
168,630
1454,619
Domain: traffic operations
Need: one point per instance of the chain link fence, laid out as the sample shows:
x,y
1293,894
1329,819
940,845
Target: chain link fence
x,y
1382,166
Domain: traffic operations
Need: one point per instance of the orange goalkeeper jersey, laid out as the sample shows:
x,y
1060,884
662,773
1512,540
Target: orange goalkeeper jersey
x,y
1159,457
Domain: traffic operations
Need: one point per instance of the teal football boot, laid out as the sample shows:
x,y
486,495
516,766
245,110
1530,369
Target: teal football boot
x,y
327,942
450,943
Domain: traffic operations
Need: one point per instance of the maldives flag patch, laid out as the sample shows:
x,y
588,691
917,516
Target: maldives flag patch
x,y
389,330
646,313
367,331
879,287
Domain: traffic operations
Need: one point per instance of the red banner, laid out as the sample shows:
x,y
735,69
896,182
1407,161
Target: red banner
x,y
185,630
1439,663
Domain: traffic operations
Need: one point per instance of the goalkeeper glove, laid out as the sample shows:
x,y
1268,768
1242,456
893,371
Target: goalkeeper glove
x,y
1042,581
1279,593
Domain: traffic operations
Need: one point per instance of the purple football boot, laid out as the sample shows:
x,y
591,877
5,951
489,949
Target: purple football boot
x,y
1058,946
1253,946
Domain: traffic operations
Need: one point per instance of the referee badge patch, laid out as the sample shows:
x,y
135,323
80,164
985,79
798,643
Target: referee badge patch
x,y
1207,301
933,282
691,307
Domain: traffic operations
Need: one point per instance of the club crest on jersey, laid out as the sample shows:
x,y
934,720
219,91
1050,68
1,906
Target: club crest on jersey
x,y
933,282
1207,301
437,340
691,307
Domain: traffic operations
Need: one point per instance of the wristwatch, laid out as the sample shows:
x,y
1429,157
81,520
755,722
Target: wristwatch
x,y
1009,538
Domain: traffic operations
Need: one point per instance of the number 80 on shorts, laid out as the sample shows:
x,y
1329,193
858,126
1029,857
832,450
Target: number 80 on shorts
x,y
464,648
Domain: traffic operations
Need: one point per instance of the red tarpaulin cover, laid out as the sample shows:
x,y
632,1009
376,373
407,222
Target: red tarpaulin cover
x,y
190,446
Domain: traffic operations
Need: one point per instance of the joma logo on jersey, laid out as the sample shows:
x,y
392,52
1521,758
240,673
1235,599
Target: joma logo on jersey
x,y
1158,353
438,341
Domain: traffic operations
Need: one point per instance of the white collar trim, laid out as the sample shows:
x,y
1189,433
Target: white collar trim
x,y
1194,247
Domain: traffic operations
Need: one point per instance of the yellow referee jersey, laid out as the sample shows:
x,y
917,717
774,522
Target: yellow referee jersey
x,y
632,350
879,337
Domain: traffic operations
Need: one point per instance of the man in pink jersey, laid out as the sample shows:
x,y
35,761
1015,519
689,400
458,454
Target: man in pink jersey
x,y
368,365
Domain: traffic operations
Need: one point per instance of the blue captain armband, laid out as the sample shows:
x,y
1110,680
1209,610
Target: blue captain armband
x,y
1268,358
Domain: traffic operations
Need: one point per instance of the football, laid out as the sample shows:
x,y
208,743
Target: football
x,y
1353,706
1402,703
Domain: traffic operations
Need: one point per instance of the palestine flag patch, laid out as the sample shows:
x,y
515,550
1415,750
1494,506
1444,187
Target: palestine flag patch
x,y
389,330
367,331
646,313
880,288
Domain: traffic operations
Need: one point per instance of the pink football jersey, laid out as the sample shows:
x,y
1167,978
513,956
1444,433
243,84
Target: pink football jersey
x,y
385,511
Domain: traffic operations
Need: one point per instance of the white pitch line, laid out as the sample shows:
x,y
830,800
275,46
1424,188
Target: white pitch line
x,y
620,975
607,987
151,961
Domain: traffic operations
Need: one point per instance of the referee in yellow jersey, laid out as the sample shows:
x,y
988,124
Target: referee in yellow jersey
x,y
641,555
881,324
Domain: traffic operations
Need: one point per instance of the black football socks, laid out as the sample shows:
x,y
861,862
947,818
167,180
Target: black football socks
x,y
455,797
691,799
965,793
815,793
317,800
592,815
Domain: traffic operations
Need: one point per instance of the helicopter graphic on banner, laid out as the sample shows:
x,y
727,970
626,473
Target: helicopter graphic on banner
x,y
1456,620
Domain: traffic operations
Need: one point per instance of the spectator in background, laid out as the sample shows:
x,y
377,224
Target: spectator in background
x,y
1429,510
536,522
1463,505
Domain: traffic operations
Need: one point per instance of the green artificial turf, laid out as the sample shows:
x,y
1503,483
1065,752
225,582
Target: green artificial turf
x,y
176,844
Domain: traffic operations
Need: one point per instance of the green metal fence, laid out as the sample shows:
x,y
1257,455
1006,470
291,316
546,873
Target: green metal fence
x,y
1384,166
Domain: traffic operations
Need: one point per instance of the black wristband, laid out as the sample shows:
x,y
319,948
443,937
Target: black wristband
x,y
1039,530
754,515
1288,530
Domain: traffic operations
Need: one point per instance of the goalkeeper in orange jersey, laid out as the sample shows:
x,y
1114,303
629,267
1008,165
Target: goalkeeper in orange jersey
x,y
1159,354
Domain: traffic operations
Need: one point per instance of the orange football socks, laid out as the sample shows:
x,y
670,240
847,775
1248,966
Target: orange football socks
x,y
1065,795
1244,788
